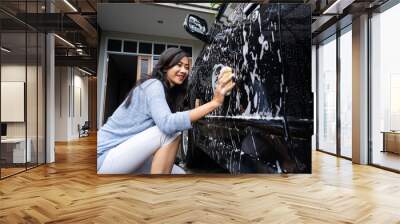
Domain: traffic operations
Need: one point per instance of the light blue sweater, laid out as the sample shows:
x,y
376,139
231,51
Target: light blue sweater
x,y
148,108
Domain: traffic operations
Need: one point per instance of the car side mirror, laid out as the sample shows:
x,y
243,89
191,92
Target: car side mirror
x,y
197,27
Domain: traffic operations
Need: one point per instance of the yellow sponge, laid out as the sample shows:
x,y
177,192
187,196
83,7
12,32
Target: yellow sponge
x,y
227,72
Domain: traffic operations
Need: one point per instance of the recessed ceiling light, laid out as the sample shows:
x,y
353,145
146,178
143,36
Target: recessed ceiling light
x,y
84,71
5,50
337,7
70,5
64,40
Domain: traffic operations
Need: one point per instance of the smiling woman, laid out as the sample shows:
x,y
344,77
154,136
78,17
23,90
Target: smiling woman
x,y
177,74
143,134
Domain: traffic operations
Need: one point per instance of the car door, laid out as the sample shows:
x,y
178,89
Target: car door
x,y
259,128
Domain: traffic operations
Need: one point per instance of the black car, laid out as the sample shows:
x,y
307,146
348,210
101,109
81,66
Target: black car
x,y
266,124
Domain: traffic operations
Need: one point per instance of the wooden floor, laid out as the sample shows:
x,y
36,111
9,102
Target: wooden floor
x,y
10,171
70,191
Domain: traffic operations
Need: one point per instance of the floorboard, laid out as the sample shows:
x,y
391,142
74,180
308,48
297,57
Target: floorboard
x,y
70,191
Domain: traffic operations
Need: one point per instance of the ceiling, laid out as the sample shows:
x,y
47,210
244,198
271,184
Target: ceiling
x,y
73,20
21,49
149,19
160,19
77,21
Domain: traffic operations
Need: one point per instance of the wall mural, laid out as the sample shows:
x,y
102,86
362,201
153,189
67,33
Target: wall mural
x,y
266,124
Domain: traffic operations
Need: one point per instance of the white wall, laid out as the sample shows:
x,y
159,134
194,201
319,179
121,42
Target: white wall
x,y
61,103
34,124
80,84
70,83
50,94
12,73
12,100
197,46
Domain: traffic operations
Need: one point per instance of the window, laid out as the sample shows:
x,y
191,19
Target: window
x,y
176,46
314,90
155,60
114,45
137,47
130,46
327,95
346,93
145,48
158,49
385,88
144,67
187,50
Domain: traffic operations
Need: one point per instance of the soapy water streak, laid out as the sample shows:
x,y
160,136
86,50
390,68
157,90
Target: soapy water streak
x,y
245,61
258,95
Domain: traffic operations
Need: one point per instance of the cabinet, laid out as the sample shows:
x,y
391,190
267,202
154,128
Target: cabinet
x,y
13,150
391,141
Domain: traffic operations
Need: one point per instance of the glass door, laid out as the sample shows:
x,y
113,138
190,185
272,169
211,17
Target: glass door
x,y
145,65
22,77
15,149
327,96
385,89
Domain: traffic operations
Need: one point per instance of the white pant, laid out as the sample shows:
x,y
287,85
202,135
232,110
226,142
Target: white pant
x,y
135,154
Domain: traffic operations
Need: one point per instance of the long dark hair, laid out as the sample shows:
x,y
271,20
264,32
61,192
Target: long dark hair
x,y
174,95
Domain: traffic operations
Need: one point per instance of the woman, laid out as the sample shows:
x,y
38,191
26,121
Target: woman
x,y
143,134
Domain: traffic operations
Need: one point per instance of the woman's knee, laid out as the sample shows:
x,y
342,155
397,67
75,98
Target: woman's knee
x,y
167,139
159,131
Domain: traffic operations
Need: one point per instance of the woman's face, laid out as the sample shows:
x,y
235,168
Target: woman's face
x,y
179,72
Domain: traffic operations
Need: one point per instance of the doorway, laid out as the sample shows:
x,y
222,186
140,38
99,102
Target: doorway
x,y
121,77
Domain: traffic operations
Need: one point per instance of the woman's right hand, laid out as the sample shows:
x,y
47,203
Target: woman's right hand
x,y
224,85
